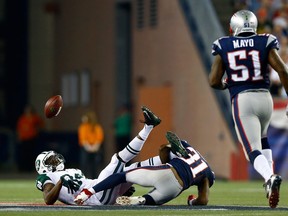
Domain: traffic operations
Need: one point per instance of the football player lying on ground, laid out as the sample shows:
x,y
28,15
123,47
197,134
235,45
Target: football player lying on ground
x,y
185,169
58,183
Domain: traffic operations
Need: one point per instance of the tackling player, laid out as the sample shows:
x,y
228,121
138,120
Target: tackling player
x,y
58,183
245,56
186,167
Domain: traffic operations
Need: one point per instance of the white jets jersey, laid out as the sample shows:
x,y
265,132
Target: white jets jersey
x,y
66,195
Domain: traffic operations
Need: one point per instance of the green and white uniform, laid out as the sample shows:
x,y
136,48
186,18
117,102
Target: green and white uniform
x,y
116,165
106,197
66,196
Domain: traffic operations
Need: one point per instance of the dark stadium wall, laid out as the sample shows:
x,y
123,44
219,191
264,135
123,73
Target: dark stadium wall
x,y
85,39
41,55
13,61
68,37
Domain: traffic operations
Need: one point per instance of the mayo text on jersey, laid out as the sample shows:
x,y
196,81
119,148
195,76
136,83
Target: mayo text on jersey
x,y
243,43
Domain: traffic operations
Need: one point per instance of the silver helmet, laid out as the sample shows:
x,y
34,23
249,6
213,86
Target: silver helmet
x,y
49,161
243,21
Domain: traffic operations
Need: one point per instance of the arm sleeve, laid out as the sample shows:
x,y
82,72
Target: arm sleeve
x,y
41,181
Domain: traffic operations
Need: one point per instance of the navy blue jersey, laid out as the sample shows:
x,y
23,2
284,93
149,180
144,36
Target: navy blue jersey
x,y
193,169
246,60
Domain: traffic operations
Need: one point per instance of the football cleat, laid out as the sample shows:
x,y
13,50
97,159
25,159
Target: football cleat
x,y
272,188
176,145
150,117
124,200
82,197
130,191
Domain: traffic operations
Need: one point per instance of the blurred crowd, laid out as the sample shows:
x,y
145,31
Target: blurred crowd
x,y
272,18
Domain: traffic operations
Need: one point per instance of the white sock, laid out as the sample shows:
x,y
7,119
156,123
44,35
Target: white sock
x,y
144,133
135,146
268,155
154,161
261,165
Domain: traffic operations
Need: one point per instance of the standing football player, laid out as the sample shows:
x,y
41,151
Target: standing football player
x,y
185,167
245,56
58,183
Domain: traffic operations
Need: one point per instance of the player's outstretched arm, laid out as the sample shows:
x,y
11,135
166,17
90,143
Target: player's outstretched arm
x,y
203,194
280,67
216,74
51,192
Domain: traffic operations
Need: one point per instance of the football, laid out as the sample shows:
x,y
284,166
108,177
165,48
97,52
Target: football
x,y
53,106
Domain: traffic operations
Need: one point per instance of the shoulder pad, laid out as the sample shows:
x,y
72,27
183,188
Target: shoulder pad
x,y
273,41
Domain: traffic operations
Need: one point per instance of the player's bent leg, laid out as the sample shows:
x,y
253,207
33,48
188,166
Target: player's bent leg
x,y
158,177
110,188
135,146
108,196
115,166
154,161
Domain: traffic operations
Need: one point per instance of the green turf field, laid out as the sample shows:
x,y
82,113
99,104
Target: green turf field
x,y
240,194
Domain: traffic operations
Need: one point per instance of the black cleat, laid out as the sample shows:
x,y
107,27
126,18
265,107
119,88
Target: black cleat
x,y
150,117
130,191
176,145
272,188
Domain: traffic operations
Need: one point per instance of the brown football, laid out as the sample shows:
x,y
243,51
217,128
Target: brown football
x,y
53,106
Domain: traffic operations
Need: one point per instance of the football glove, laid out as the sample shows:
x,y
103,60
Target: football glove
x,y
67,181
83,196
190,199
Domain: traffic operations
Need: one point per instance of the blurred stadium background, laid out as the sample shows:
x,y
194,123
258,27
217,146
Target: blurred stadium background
x,y
101,54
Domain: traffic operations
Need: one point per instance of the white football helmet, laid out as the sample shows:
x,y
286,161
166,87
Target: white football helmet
x,y
49,161
243,21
